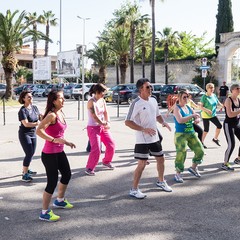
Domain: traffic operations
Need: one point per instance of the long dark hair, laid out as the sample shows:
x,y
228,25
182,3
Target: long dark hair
x,y
52,96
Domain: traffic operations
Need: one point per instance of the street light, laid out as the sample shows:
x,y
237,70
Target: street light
x,y
83,52
60,25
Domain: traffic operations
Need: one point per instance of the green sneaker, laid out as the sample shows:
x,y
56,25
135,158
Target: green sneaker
x,y
49,216
63,204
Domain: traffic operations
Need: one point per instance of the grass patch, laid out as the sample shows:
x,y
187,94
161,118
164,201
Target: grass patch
x,y
10,102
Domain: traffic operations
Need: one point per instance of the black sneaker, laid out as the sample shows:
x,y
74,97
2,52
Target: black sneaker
x,y
204,146
216,141
237,161
227,167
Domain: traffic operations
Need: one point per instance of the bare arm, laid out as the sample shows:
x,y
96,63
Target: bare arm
x,y
161,121
28,124
137,127
92,109
230,112
50,118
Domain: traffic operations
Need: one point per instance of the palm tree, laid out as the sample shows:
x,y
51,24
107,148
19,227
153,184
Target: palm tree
x,y
48,20
131,19
102,56
13,34
152,3
34,19
167,39
118,41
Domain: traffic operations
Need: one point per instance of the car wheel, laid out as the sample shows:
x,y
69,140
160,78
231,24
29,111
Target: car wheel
x,y
44,94
86,96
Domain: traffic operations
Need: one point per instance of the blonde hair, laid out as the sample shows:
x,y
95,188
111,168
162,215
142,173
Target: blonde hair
x,y
209,85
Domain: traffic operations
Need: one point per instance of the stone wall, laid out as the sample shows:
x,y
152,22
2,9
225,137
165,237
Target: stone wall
x,y
180,72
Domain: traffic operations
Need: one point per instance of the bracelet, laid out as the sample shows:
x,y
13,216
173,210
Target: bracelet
x,y
53,140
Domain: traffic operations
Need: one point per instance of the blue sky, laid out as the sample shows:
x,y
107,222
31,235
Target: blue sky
x,y
181,15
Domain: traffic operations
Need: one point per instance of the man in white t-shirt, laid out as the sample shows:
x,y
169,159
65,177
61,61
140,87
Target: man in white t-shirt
x,y
143,116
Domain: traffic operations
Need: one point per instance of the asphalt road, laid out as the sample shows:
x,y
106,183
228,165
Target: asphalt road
x,y
205,208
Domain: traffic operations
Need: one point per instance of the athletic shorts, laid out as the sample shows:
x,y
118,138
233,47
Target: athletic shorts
x,y
142,151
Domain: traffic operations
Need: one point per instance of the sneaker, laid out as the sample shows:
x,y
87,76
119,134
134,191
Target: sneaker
x,y
194,172
108,166
63,204
204,146
30,172
137,193
237,161
164,186
90,172
178,178
49,216
216,141
26,178
227,167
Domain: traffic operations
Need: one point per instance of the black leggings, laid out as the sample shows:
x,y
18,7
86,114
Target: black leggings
x,y
52,163
229,132
214,120
28,142
198,130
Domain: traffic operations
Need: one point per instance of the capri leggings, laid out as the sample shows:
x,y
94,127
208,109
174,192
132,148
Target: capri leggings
x,y
52,163
28,142
229,132
214,120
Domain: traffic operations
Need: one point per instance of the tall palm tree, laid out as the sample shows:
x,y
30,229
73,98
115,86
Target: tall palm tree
x,y
48,19
34,19
13,34
131,19
102,56
167,39
118,40
152,3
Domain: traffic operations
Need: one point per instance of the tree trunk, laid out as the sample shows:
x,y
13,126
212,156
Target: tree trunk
x,y
102,75
117,73
166,62
132,40
34,42
143,59
46,42
153,43
123,64
9,89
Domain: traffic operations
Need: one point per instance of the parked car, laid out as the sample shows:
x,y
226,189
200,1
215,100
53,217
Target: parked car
x,y
193,89
109,93
2,89
40,92
35,87
156,90
67,90
77,91
19,89
122,93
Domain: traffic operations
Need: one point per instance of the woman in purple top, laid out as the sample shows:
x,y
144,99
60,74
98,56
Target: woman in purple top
x,y
54,159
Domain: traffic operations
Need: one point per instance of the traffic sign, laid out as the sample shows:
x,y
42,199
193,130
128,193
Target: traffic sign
x,y
204,67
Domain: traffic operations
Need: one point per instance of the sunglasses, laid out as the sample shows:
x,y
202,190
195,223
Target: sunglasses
x,y
237,88
149,87
185,97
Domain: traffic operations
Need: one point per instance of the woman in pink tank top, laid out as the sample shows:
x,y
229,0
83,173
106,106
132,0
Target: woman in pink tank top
x,y
98,131
54,159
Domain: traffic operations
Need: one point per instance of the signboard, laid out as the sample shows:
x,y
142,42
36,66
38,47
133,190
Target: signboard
x,y
42,68
204,73
68,64
204,67
204,61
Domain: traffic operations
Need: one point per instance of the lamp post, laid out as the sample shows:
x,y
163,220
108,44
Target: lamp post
x,y
60,25
83,52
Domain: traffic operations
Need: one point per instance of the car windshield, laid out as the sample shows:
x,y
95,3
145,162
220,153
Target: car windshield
x,y
168,89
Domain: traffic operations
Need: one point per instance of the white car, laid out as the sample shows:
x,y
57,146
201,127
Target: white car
x,y
40,92
77,91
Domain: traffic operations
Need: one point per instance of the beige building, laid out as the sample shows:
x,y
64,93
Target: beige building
x,y
25,58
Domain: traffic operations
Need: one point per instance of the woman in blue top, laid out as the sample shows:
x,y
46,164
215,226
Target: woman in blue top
x,y
29,117
186,136
210,102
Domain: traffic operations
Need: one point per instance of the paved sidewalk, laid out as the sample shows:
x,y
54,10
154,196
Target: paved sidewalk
x,y
205,208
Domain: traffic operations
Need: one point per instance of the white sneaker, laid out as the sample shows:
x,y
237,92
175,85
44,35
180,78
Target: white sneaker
x,y
164,186
137,193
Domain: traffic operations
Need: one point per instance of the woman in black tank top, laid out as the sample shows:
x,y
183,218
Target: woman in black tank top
x,y
231,126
